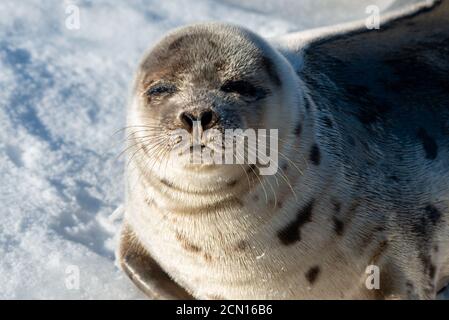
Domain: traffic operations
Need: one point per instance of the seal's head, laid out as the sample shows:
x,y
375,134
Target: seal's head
x,y
209,77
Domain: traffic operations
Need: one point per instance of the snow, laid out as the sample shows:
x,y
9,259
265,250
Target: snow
x,y
62,100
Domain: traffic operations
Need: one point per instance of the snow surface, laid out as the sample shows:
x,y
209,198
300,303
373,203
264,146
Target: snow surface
x,y
62,98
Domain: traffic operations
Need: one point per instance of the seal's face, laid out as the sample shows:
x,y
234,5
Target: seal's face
x,y
207,77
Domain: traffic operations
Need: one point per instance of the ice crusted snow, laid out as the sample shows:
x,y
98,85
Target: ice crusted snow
x,y
63,95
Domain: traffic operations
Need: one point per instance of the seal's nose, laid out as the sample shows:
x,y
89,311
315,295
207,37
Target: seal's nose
x,y
207,118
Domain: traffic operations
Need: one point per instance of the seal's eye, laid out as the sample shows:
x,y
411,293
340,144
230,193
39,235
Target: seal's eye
x,y
241,87
160,89
245,89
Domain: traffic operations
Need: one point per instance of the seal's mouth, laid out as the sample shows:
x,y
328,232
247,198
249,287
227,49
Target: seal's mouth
x,y
233,147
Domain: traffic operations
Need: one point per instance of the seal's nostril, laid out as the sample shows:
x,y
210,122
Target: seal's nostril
x,y
187,120
206,119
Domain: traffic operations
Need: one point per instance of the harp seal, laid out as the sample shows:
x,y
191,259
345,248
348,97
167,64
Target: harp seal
x,y
363,119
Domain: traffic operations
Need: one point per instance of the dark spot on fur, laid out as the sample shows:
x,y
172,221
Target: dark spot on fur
x,y
389,277
383,245
410,288
237,202
429,268
256,197
433,213
338,226
372,114
232,183
426,224
431,271
207,257
371,108
219,65
337,206
307,104
315,155
298,129
284,166
166,183
292,232
241,245
429,144
393,178
271,70
420,227
273,204
328,122
312,274
253,169
149,201
187,245
191,247
351,212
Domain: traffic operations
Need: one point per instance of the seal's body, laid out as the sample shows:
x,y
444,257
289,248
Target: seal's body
x,y
363,178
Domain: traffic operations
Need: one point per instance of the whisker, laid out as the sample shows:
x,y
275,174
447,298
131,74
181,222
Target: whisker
x,y
131,146
135,126
261,183
280,172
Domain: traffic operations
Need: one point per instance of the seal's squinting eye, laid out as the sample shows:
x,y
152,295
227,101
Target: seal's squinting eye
x,y
160,89
240,86
243,88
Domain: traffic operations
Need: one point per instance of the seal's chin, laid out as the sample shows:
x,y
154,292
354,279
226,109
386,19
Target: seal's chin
x,y
203,177
195,168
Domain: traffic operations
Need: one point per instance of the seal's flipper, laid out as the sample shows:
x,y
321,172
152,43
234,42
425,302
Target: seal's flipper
x,y
145,272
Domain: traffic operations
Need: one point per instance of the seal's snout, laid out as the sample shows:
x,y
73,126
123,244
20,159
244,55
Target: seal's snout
x,y
207,119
